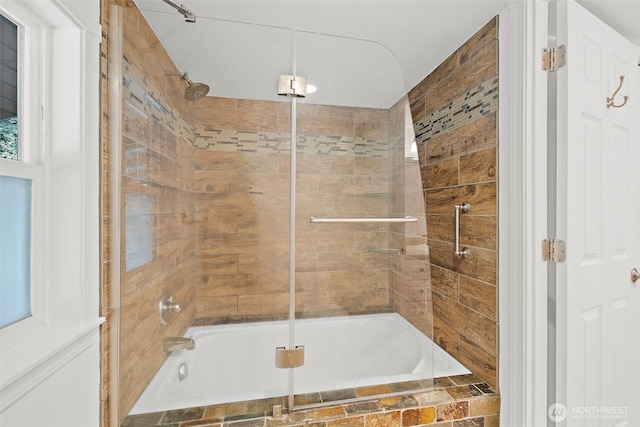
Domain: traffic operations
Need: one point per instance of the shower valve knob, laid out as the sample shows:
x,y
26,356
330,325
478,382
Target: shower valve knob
x,y
171,306
165,307
174,307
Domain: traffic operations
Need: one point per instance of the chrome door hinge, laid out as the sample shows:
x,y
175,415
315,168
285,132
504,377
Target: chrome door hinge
x,y
554,58
554,250
287,358
292,85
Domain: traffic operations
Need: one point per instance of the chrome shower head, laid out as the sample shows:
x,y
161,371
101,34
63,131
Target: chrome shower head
x,y
194,90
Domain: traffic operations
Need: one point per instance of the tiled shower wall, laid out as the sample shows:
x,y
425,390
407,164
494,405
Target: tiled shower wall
x,y
157,202
455,116
158,236
242,209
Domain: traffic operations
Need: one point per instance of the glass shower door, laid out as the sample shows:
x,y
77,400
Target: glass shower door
x,y
362,285
208,216
200,207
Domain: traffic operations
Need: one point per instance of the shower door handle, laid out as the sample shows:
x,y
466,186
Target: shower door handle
x,y
464,208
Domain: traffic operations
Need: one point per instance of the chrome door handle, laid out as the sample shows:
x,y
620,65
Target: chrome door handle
x,y
635,275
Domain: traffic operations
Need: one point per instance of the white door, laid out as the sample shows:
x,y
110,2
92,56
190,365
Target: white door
x,y
598,306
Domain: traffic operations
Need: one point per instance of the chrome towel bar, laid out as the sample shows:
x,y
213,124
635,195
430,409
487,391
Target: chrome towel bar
x,y
464,208
364,220
387,251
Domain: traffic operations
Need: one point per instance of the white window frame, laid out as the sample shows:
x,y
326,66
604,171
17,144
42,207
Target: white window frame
x,y
59,124
29,163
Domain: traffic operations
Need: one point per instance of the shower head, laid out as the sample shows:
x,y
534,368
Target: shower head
x,y
194,90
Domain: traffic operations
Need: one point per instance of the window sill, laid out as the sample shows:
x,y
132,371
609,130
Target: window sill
x,y
31,351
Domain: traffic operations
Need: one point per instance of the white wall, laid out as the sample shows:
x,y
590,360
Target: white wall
x,y
69,397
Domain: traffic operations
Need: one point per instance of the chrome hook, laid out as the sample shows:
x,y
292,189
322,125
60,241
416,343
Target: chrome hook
x,y
610,100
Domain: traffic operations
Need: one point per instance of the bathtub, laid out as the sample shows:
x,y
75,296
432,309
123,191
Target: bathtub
x,y
237,362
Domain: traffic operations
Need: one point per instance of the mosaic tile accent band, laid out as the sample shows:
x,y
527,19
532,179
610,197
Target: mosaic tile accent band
x,y
475,103
138,93
277,143
148,100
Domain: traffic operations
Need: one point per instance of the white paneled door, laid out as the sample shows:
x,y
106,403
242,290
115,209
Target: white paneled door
x,y
598,305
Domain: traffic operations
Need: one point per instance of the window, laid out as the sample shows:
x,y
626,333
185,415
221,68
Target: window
x,y
8,89
15,249
20,182
51,176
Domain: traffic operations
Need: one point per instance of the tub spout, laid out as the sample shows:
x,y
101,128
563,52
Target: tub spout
x,y
179,343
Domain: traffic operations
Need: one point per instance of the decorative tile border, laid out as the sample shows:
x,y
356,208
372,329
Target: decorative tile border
x,y
343,146
462,400
277,143
231,140
149,100
475,103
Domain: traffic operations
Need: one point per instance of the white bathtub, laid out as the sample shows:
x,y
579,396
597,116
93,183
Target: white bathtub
x,y
237,362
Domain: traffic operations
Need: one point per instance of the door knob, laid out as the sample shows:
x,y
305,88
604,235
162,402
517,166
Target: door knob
x,y
635,275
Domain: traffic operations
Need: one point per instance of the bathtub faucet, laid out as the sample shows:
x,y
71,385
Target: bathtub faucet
x,y
179,343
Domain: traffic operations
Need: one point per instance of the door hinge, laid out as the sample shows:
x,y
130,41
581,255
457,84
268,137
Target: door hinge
x,y
292,85
554,58
288,358
554,250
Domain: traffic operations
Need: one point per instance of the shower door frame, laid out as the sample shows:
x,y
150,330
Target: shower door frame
x,y
115,91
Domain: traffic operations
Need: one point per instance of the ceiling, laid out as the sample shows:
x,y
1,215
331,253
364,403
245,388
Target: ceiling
x,y
357,52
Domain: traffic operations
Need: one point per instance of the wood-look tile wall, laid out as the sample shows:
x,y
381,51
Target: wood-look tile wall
x,y
157,231
242,185
455,116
